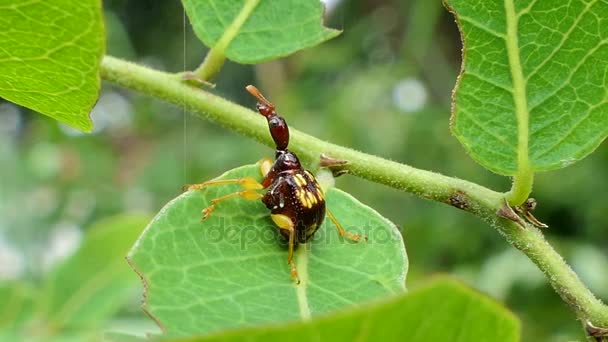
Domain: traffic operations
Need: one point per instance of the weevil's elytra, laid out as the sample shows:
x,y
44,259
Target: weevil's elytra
x,y
296,194
293,195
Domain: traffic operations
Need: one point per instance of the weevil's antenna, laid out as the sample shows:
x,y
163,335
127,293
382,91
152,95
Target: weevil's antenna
x,y
258,94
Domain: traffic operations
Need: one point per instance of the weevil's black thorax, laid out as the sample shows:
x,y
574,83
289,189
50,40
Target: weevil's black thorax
x,y
286,160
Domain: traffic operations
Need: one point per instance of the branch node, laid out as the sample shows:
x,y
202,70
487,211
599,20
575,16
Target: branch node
x,y
192,79
506,211
526,211
598,333
336,166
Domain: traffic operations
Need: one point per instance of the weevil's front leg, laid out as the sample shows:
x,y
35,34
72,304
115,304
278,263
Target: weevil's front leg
x,y
341,230
265,168
284,222
248,183
246,194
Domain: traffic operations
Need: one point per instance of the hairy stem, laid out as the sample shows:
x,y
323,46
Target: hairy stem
x,y
211,65
462,194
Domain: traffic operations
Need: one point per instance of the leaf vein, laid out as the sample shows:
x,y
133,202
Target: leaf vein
x,y
482,27
559,46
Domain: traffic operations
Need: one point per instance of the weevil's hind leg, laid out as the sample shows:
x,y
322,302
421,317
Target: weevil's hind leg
x,y
246,194
341,230
284,222
246,182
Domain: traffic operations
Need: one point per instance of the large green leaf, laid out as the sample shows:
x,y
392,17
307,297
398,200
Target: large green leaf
x,y
50,52
253,31
92,284
533,81
444,310
16,305
231,269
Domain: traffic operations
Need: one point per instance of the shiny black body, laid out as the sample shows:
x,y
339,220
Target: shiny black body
x,y
295,193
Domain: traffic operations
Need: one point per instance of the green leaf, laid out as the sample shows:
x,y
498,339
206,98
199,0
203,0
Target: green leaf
x,y
122,337
231,269
16,307
50,55
253,31
532,93
94,283
444,310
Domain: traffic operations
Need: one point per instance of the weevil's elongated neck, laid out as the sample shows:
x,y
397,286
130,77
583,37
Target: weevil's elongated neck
x,y
279,131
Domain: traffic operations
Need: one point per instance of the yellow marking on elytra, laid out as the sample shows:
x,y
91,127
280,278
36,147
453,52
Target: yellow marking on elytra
x,y
319,190
311,197
307,203
302,198
319,195
311,230
300,180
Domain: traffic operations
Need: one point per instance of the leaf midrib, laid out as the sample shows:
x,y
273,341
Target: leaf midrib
x,y
519,88
235,27
301,257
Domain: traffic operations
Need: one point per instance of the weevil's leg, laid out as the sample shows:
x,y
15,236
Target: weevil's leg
x,y
245,182
265,166
341,230
265,169
284,222
249,194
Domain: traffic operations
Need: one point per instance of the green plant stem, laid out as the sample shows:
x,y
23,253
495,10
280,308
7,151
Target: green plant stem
x,y
211,65
522,186
462,194
215,57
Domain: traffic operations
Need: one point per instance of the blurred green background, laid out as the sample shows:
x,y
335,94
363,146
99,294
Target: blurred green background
x,y
383,87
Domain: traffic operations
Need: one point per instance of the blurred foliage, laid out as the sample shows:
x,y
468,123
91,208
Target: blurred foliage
x,y
354,90
81,293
